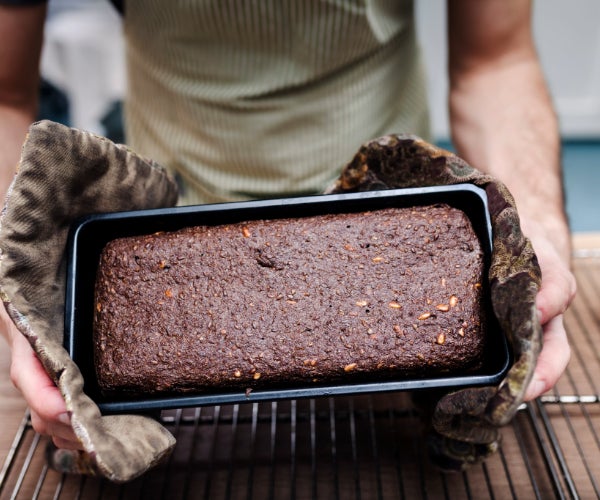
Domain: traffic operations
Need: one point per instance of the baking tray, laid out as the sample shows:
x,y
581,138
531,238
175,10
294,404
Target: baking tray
x,y
89,235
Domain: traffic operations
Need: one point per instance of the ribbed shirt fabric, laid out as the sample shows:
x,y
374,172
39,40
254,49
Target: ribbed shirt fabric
x,y
251,99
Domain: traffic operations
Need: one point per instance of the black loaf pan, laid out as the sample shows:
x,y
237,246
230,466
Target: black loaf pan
x,y
89,235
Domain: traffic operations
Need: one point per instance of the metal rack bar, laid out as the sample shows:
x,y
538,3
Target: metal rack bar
x,y
27,463
272,448
313,448
190,464
231,468
374,450
488,482
527,461
396,454
354,452
508,476
556,448
548,456
333,437
293,450
577,442
213,449
14,447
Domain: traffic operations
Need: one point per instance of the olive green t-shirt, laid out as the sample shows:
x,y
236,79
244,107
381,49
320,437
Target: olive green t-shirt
x,y
251,99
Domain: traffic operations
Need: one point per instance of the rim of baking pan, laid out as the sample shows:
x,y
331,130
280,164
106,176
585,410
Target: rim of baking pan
x,y
89,234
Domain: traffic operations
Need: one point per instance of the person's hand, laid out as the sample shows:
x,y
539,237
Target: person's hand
x,y
555,295
49,414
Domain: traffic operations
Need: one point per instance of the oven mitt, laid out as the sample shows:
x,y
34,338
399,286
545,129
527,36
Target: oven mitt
x,y
63,175
465,424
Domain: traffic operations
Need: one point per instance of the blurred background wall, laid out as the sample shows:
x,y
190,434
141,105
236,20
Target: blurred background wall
x,y
84,78
83,66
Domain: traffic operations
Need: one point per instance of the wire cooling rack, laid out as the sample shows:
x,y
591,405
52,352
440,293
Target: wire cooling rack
x,y
363,447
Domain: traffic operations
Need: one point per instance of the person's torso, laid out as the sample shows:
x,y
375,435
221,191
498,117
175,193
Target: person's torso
x,y
250,99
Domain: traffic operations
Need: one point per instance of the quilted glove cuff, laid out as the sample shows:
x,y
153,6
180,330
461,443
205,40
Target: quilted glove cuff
x,y
63,175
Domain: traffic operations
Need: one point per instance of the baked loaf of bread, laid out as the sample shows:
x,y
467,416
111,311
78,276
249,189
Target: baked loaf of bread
x,y
265,303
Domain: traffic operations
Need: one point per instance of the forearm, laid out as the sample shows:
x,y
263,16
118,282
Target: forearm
x,y
21,32
14,124
503,123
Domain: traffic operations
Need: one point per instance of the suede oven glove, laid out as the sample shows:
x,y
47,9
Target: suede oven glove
x,y
63,175
465,423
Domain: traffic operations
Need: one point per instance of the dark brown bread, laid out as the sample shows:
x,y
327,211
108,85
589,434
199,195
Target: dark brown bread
x,y
387,293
